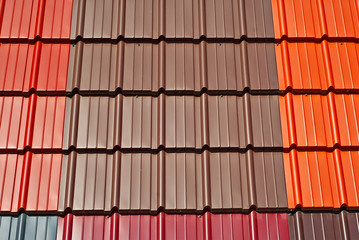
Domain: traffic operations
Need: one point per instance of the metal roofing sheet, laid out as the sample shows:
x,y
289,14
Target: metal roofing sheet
x,y
186,182
172,19
187,67
315,19
31,18
322,179
312,67
173,122
324,226
29,182
163,226
31,122
25,227
321,122
29,67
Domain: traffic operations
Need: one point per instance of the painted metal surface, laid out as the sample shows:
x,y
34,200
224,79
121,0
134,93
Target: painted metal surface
x,y
322,180
163,226
27,19
25,227
320,122
30,182
31,122
33,67
173,122
172,19
172,67
318,67
324,225
335,19
185,182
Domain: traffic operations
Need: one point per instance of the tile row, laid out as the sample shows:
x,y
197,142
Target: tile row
x,y
234,19
179,182
178,68
208,226
145,123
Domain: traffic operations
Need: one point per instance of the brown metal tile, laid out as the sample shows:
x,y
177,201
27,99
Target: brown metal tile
x,y
174,122
172,19
189,182
324,225
181,67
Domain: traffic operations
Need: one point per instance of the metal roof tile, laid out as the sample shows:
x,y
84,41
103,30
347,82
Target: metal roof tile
x,y
320,121
322,180
28,19
318,67
30,182
25,227
315,19
207,226
186,182
173,67
172,19
173,122
31,122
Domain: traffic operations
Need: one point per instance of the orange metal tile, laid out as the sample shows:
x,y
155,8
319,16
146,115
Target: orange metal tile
x,y
315,19
320,122
30,182
312,67
322,179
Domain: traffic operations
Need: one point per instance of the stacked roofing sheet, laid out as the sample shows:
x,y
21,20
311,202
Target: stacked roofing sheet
x,y
176,119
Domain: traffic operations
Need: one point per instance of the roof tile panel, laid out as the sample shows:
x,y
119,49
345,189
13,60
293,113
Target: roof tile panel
x,y
30,182
143,182
172,19
27,19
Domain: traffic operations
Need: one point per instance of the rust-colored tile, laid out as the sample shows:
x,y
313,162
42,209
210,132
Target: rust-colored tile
x,y
31,122
39,67
143,182
30,182
173,122
315,19
27,19
312,67
172,19
317,121
169,226
172,67
322,180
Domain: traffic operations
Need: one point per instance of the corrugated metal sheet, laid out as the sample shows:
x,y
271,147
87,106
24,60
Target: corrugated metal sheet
x,y
322,179
315,19
31,122
174,122
324,226
29,182
187,67
163,226
25,227
312,67
185,182
33,67
172,19
319,121
31,18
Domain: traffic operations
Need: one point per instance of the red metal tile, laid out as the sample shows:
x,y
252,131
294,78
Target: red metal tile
x,y
163,226
317,121
308,67
315,19
322,179
30,182
38,67
27,19
34,122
